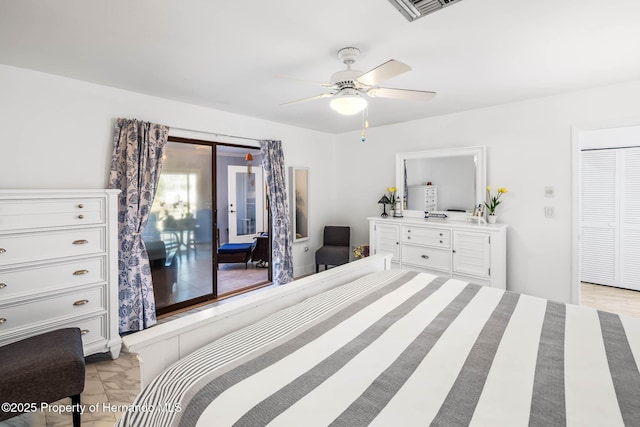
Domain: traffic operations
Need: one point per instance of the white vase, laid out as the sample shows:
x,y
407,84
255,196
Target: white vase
x,y
491,219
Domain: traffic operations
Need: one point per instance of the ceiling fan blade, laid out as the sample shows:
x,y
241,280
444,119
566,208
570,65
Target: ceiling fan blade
x,y
382,72
313,82
311,98
408,94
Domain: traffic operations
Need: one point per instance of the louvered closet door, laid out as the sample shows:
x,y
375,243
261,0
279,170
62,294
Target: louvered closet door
x,y
611,217
630,223
599,236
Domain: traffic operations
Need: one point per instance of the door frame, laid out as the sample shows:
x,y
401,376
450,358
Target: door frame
x,y
578,142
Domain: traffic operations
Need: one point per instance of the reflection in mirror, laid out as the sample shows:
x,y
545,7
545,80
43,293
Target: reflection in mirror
x,y
449,180
299,179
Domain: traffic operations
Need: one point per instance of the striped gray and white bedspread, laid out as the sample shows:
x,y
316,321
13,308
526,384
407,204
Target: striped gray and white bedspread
x,y
398,348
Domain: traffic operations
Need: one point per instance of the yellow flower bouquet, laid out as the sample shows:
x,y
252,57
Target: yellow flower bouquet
x,y
392,196
494,201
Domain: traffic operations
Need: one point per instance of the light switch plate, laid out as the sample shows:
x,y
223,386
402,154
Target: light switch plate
x,y
549,191
548,211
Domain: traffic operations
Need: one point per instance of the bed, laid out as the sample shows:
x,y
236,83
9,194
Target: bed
x,y
400,348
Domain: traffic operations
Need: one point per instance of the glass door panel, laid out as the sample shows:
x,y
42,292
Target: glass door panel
x,y
246,204
179,235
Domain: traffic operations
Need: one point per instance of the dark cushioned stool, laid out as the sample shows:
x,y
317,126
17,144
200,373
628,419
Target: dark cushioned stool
x,y
43,369
236,253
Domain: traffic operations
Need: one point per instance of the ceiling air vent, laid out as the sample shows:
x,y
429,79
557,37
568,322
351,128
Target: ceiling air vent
x,y
414,9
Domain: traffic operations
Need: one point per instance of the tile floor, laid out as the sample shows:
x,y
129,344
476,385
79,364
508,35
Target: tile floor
x,y
195,275
110,383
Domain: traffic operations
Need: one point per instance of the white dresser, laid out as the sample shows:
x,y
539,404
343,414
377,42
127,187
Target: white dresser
x,y
454,249
423,198
59,265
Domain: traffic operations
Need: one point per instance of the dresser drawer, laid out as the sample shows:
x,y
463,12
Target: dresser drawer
x,y
87,300
24,214
49,245
427,236
93,329
44,277
438,259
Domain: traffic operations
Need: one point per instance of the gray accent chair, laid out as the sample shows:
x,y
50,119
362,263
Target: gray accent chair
x,y
43,369
335,247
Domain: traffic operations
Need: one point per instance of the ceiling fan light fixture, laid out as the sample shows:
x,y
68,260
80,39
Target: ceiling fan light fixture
x,y
348,104
349,86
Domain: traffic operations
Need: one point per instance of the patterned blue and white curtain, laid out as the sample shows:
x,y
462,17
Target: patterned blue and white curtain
x,y
281,250
138,148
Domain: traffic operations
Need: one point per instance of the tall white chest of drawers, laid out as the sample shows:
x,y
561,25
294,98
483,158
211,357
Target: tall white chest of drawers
x,y
455,249
59,265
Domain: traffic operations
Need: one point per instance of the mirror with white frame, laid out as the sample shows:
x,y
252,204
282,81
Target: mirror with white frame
x,y
448,180
299,183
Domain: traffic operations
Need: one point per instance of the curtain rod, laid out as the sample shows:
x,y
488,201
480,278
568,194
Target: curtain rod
x,y
214,133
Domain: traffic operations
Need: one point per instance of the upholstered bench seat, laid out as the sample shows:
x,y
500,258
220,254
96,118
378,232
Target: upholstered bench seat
x,y
235,248
43,369
235,252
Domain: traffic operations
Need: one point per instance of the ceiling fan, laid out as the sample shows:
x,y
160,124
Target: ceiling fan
x,y
349,86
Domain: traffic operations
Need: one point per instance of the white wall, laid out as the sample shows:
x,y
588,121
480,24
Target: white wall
x,y
58,133
529,146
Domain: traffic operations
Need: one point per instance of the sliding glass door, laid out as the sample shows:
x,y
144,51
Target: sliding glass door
x,y
189,221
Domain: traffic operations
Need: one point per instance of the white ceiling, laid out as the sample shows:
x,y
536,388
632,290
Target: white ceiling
x,y
229,55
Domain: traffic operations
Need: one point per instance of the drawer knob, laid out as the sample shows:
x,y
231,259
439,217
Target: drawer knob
x,y
80,206
81,302
408,231
2,320
440,241
80,242
80,272
2,250
80,216
440,234
3,285
425,256
408,237
84,332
